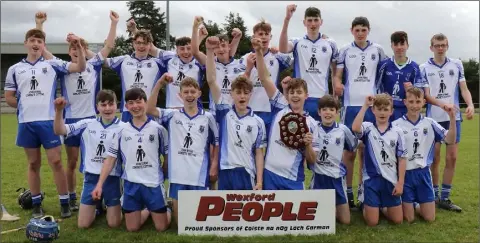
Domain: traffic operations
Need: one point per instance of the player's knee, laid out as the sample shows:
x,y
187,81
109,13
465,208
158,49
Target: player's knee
x,y
344,220
161,227
84,224
370,221
34,165
56,164
409,218
451,159
397,219
133,228
114,223
429,218
72,164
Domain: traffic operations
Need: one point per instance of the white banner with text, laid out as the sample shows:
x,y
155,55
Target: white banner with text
x,y
247,213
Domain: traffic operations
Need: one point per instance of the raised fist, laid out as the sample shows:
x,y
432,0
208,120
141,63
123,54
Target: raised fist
x,y
197,21
202,32
114,16
290,10
40,17
59,103
212,42
256,44
131,25
236,33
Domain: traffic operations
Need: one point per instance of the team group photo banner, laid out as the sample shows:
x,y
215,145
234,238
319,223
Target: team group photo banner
x,y
248,213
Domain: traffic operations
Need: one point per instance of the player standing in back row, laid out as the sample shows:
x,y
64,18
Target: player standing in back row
x,y
313,56
357,67
442,79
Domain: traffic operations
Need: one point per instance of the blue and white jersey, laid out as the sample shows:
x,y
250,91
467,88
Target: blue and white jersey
x,y
280,159
312,59
421,137
381,151
35,85
391,77
95,139
139,149
443,82
189,145
81,89
179,70
359,71
332,142
135,73
276,63
240,136
225,74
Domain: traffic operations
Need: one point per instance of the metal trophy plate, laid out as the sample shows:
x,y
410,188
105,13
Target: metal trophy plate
x,y
293,128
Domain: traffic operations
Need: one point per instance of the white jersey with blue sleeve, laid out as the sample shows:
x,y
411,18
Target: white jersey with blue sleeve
x,y
444,82
225,74
189,145
276,63
35,85
239,138
135,73
139,149
312,59
179,70
382,150
421,137
95,139
80,89
359,71
332,142
280,159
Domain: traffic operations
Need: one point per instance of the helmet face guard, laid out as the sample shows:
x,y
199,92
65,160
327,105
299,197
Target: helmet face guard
x,y
43,229
25,198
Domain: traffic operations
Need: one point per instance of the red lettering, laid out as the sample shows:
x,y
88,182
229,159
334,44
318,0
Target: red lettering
x,y
272,209
233,210
307,210
287,212
257,209
204,209
231,197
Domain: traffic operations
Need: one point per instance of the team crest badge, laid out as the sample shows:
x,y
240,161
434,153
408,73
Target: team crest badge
x,y
149,65
324,49
236,70
337,141
373,57
201,129
375,137
451,72
88,69
151,138
425,131
190,66
44,70
392,143
271,62
249,129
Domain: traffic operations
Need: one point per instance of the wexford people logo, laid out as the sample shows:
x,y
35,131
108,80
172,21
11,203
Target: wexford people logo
x,y
100,148
188,141
313,61
180,76
138,76
80,82
443,87
140,153
33,83
226,82
363,70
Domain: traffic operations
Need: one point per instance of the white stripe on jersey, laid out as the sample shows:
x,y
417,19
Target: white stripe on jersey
x,y
225,74
443,82
359,71
280,159
95,139
332,141
135,73
80,89
239,138
179,70
381,151
421,136
139,150
276,63
189,140
35,85
312,59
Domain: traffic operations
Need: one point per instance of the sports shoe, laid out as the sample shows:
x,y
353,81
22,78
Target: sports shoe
x,y
65,211
100,209
351,204
37,211
448,205
73,205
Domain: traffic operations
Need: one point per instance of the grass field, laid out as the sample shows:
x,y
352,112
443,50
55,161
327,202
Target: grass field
x,y
448,227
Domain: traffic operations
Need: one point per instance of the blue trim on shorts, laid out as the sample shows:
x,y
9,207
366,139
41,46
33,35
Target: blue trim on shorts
x,y
418,186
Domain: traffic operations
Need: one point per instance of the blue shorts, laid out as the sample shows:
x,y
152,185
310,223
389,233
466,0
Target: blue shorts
x,y
348,114
418,186
320,181
446,125
74,140
398,112
267,119
138,196
36,134
110,190
272,181
235,179
174,188
378,193
311,106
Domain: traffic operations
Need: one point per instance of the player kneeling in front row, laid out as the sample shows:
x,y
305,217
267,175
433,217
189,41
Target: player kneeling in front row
x,y
421,133
242,133
329,168
384,161
139,142
191,129
284,166
96,134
